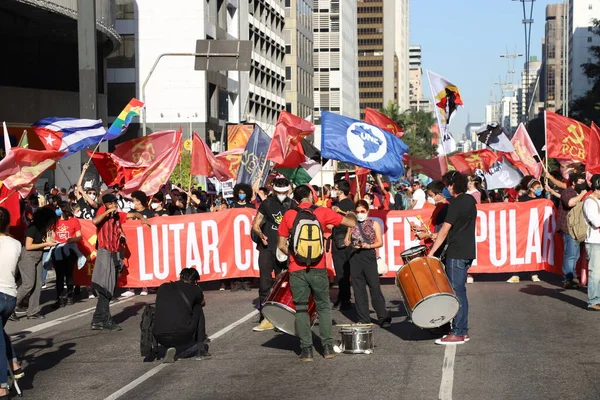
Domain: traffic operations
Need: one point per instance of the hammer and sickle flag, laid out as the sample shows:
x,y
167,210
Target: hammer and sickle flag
x,y
566,138
384,122
446,98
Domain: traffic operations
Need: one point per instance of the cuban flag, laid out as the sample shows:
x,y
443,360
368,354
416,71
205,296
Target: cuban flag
x,y
69,134
362,144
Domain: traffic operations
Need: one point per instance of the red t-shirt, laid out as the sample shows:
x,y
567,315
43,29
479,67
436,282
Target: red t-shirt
x,y
325,216
109,230
66,229
386,200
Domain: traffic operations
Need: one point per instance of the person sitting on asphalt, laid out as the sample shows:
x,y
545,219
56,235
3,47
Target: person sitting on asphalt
x,y
179,316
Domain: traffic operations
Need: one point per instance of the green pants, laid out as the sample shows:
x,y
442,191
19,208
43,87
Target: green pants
x,y
302,284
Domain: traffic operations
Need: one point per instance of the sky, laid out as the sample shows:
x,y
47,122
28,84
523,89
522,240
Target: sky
x,y
462,40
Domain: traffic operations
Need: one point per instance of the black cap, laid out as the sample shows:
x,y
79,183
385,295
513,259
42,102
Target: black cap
x,y
109,198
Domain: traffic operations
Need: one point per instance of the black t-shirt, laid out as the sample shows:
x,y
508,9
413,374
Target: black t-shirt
x,y
462,214
339,232
161,213
34,233
272,210
146,212
173,316
484,195
87,212
526,197
238,205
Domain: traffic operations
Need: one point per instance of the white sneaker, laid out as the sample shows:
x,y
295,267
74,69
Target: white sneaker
x,y
514,279
128,293
144,292
91,296
535,278
470,279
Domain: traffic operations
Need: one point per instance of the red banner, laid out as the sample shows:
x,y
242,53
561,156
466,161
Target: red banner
x,y
467,163
565,137
219,245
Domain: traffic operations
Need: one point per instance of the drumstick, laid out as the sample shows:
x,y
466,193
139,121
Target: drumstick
x,y
426,226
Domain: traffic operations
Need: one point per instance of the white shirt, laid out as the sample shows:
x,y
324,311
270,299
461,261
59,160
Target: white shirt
x,y
420,198
591,211
11,251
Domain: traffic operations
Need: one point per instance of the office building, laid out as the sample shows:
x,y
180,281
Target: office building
x,y
528,94
298,36
551,85
335,58
416,100
377,68
402,51
581,38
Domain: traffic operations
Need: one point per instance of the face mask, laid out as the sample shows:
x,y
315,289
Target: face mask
x,y
218,203
361,217
58,212
430,200
242,196
154,206
281,197
334,194
538,192
580,187
446,193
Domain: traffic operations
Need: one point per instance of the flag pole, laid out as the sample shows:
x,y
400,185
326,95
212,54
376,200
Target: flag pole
x,y
322,188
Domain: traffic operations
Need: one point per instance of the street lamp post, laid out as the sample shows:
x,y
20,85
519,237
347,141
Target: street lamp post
x,y
527,22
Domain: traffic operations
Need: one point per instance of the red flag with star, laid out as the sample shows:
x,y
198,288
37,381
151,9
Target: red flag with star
x,y
467,163
49,138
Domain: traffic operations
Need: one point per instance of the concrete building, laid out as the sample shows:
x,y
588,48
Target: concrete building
x,y
528,94
551,84
377,61
471,130
581,38
335,58
402,50
299,57
416,100
40,74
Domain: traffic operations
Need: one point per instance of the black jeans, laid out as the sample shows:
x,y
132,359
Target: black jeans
x,y
363,267
341,263
267,263
198,333
102,313
64,275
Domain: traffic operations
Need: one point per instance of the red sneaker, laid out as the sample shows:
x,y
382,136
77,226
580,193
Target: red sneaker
x,y
451,339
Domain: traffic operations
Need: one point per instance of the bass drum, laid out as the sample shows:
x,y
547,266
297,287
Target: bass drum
x,y
279,307
428,296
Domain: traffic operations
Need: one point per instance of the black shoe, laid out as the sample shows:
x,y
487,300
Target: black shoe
x,y
328,351
247,286
21,310
18,373
385,322
36,316
97,326
306,355
112,327
69,301
13,317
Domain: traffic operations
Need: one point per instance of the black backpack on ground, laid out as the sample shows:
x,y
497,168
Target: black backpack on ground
x,y
147,341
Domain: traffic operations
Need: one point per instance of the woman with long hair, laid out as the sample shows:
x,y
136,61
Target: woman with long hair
x,y
66,232
364,238
37,239
11,251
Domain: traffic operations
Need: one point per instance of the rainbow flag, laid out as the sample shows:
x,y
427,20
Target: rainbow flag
x,y
120,124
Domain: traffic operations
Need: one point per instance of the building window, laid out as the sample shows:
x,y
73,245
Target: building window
x,y
288,73
124,9
119,94
589,7
288,49
288,107
589,39
287,3
124,57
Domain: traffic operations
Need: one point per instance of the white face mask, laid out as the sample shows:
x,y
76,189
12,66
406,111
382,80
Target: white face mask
x,y
334,194
361,217
154,206
430,200
92,196
282,197
77,214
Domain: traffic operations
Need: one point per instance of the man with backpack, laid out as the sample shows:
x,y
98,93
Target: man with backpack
x,y
569,198
301,237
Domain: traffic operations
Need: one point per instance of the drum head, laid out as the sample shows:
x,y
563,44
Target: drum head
x,y
281,316
435,311
414,250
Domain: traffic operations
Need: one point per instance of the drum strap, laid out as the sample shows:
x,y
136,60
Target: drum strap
x,y
185,299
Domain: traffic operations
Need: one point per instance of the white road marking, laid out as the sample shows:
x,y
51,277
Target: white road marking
x,y
186,352
40,327
447,373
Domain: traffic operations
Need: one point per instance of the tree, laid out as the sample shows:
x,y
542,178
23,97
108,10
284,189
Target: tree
x,y
417,129
181,174
587,107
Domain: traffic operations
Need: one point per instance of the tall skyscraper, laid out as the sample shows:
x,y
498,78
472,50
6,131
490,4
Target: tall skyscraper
x,y
299,57
377,71
528,94
402,46
335,58
581,38
552,58
416,100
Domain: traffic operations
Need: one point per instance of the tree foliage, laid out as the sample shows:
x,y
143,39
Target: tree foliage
x,y
181,174
417,129
587,107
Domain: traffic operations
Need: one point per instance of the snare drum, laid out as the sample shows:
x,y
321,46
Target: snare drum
x,y
279,307
412,253
428,296
357,339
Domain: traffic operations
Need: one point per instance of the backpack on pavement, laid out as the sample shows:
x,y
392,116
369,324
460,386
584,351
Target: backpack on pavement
x,y
577,223
147,341
306,239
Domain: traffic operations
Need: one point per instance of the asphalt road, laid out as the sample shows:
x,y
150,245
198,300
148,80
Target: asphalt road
x,y
528,341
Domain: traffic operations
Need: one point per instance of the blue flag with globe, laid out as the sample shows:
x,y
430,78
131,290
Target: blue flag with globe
x,y
350,140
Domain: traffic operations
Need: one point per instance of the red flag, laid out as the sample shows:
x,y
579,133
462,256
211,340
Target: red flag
x,y
205,163
158,173
592,161
142,152
107,168
358,183
294,158
231,161
467,163
289,131
11,201
565,137
22,167
514,159
433,168
382,121
524,153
